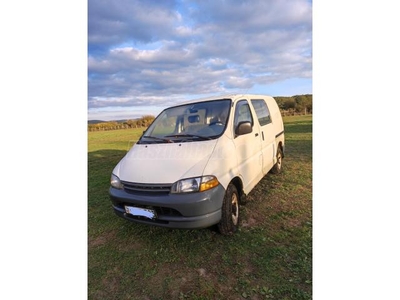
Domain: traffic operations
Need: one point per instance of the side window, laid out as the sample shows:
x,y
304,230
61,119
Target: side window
x,y
242,113
262,111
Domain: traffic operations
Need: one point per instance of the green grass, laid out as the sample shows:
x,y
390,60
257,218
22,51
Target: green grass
x,y
269,258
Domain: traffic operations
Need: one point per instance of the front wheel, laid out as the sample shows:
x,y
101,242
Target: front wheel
x,y
277,168
230,211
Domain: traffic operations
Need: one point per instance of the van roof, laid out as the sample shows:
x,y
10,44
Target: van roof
x,y
226,96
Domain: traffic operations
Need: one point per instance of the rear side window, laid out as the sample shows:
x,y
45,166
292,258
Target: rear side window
x,y
262,111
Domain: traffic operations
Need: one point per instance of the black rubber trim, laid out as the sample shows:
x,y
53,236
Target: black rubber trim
x,y
280,133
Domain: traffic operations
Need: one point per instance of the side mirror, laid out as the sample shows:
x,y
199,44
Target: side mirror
x,y
243,128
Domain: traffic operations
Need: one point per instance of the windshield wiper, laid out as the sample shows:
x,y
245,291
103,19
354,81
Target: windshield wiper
x,y
157,138
190,136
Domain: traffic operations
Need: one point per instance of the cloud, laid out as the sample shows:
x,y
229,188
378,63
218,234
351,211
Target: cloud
x,y
112,22
169,49
253,15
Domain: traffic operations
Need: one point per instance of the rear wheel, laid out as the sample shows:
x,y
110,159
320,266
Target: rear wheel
x,y
230,211
277,168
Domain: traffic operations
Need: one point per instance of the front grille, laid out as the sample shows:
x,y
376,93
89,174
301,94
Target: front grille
x,y
145,188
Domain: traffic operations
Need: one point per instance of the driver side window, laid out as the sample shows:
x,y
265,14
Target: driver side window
x,y
242,113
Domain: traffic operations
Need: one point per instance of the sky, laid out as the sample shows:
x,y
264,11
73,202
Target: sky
x,y
146,55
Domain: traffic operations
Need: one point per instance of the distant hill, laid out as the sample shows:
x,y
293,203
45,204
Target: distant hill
x,y
95,121
100,121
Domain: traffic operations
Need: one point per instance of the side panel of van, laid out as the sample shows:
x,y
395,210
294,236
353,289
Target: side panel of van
x,y
248,147
267,133
223,161
277,123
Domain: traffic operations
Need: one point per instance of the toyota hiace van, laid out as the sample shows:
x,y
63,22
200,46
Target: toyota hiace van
x,y
197,161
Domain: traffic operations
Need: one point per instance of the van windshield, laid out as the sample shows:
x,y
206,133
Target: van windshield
x,y
189,122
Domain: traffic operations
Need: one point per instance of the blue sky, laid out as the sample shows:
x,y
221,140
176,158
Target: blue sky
x,y
145,55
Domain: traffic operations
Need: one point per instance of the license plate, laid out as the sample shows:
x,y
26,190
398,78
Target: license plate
x,y
142,212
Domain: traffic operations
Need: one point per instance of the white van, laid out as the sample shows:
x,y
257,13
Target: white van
x,y
197,161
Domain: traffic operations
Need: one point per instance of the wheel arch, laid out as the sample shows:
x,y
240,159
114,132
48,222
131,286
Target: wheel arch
x,y
237,182
282,148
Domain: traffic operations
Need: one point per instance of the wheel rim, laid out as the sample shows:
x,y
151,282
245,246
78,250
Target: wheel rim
x,y
279,160
235,209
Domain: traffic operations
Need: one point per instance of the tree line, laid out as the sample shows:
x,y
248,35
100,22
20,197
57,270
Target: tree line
x,y
144,121
299,104
294,105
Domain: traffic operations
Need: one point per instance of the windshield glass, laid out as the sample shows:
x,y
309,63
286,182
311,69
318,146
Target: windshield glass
x,y
190,122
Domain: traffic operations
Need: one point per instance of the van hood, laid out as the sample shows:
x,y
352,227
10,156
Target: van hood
x,y
164,163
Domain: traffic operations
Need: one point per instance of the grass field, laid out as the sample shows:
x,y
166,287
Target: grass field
x,y
269,258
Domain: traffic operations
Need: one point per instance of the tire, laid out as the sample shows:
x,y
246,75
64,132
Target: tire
x,y
277,168
230,211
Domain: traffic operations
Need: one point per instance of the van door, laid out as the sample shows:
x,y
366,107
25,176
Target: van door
x,y
248,147
267,134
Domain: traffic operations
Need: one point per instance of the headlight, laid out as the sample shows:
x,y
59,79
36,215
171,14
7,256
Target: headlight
x,y
197,184
115,182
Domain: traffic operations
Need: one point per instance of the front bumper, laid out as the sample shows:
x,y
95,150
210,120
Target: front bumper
x,y
187,210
